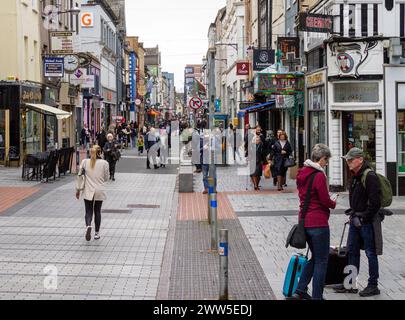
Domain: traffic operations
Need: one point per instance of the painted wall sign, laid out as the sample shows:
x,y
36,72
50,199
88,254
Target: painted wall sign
x,y
315,79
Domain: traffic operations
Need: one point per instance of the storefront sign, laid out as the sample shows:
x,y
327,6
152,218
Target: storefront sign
x,y
279,84
31,95
356,92
62,42
87,20
262,59
54,67
242,68
288,44
80,77
315,79
315,23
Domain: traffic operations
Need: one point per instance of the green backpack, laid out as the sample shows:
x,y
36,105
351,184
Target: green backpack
x,y
385,185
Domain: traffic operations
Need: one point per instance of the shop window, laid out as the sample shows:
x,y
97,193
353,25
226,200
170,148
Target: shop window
x,y
317,124
401,127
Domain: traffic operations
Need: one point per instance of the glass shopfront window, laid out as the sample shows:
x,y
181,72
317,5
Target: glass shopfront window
x,y
317,118
50,132
31,122
401,127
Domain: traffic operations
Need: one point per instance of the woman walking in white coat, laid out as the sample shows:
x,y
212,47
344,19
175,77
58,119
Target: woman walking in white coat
x,y
97,173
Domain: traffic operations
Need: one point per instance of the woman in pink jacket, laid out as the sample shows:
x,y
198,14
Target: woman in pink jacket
x,y
316,222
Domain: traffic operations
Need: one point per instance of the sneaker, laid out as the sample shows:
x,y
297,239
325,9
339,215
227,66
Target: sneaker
x,y
340,288
97,236
88,234
300,296
370,291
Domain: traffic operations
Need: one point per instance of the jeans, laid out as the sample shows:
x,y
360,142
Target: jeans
x,y
364,234
205,170
319,242
93,207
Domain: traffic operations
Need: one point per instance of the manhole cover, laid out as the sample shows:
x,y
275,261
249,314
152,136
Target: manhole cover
x,y
124,211
143,206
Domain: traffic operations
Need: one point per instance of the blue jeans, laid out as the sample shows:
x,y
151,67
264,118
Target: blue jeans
x,y
205,171
319,242
364,234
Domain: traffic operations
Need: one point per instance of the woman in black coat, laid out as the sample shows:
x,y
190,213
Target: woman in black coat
x,y
282,151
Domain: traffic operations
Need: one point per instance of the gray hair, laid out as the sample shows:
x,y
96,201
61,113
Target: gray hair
x,y
320,151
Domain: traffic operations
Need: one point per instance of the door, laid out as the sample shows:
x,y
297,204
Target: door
x,y
359,132
4,135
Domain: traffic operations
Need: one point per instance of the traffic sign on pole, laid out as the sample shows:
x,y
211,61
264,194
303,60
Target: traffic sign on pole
x,y
195,103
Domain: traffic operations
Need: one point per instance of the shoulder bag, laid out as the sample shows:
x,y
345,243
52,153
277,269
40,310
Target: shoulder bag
x,y
81,178
297,237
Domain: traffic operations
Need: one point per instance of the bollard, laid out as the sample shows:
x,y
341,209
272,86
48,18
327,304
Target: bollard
x,y
214,222
223,264
211,190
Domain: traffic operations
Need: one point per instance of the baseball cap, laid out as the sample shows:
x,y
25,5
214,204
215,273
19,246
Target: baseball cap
x,y
353,154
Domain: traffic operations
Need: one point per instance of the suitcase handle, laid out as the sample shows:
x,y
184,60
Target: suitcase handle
x,y
341,239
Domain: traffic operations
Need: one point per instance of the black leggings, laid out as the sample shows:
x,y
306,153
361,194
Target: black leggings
x,y
93,207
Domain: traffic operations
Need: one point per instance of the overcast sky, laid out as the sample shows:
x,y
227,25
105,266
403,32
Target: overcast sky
x,y
179,27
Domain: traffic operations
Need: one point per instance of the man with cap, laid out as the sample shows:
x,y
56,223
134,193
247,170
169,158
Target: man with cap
x,y
365,204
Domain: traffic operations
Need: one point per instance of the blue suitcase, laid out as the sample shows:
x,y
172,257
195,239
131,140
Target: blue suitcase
x,y
294,271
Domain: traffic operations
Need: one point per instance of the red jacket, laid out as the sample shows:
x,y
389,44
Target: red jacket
x,y
318,212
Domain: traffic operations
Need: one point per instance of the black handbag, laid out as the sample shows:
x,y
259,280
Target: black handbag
x,y
297,237
289,162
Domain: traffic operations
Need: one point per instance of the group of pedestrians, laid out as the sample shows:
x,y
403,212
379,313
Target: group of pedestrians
x,y
365,216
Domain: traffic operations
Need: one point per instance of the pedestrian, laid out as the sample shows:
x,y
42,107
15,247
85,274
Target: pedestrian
x,y
365,204
151,145
141,144
164,148
316,222
196,137
134,134
101,138
282,151
97,172
111,154
204,159
257,146
85,136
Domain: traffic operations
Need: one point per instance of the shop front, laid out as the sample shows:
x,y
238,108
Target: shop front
x,y
316,115
356,105
27,124
110,106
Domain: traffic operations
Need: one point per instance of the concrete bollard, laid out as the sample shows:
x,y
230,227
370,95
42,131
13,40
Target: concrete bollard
x,y
223,265
214,222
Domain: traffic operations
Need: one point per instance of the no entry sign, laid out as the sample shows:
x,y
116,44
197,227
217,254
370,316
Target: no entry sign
x,y
195,103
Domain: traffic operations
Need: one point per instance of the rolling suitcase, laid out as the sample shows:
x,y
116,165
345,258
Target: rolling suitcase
x,y
294,271
338,260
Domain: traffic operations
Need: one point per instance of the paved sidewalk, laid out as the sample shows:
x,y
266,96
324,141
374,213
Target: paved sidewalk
x,y
49,232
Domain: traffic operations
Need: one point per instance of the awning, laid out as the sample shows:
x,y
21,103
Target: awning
x,y
259,107
48,110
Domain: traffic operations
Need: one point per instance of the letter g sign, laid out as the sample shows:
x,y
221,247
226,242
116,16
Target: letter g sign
x,y
87,20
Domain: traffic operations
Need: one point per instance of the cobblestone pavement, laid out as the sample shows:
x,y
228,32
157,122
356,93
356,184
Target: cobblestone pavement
x,y
266,217
49,231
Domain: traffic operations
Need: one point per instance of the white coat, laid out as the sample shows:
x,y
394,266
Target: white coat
x,y
95,180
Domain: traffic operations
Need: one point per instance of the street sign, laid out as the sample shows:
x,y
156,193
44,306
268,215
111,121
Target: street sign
x,y
195,103
54,67
62,42
242,69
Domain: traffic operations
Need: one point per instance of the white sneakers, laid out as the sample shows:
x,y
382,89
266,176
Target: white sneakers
x,y
97,236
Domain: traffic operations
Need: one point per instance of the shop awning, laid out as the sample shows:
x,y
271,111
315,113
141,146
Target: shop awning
x,y
48,110
259,107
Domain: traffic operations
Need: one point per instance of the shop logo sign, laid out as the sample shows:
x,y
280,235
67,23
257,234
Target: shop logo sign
x,y
345,62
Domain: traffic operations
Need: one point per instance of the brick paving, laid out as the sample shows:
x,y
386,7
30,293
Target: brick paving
x,y
10,196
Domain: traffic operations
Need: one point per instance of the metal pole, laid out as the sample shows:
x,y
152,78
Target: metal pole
x,y
211,190
214,222
212,93
223,265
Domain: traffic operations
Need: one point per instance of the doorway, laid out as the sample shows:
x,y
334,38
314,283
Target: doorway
x,y
4,135
359,132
